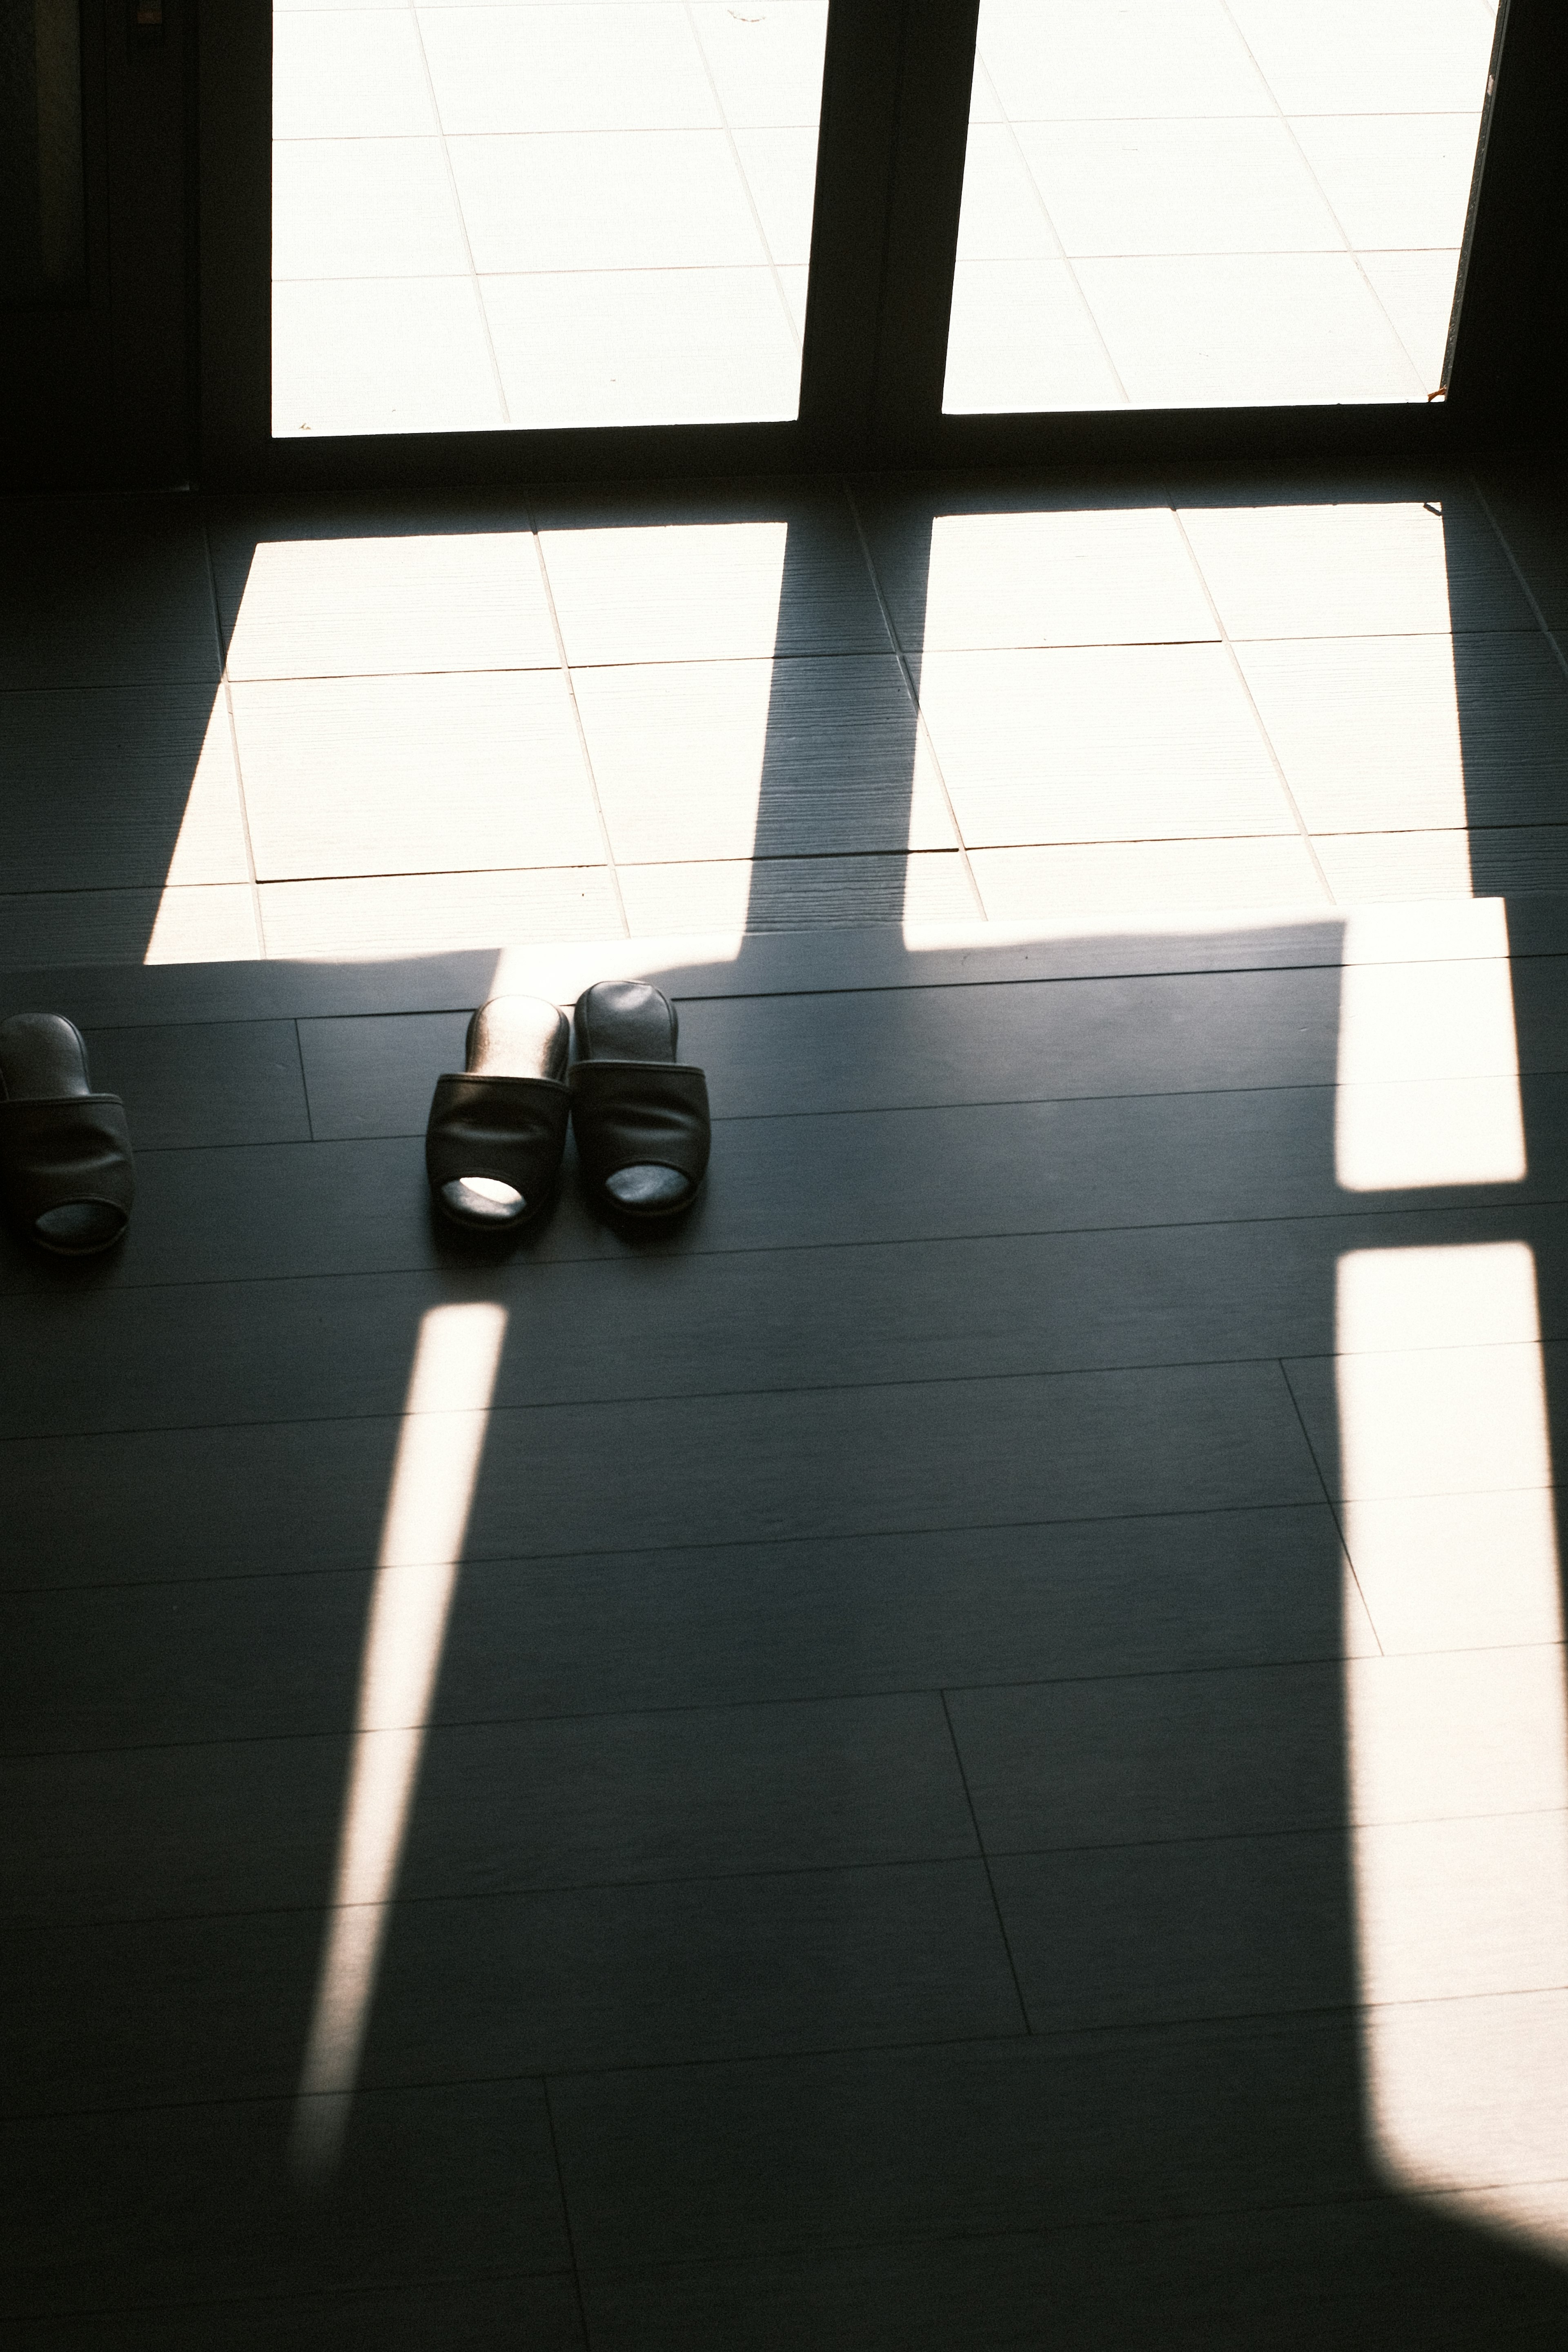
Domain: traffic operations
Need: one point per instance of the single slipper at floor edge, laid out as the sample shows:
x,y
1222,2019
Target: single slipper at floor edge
x,y
67,1173
640,1116
498,1127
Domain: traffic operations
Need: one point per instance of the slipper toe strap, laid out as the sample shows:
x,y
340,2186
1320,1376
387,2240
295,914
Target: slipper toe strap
x,y
640,1115
513,1129
73,1148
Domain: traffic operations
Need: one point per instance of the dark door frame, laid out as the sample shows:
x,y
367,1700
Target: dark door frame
x,y
101,393
889,179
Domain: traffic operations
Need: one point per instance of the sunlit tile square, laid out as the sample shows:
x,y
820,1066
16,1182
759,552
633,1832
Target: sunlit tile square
x,y
1054,58
1395,181
766,59
1021,337
381,355
587,65
357,605
1170,187
349,73
393,776
365,208
617,200
1339,56
644,346
1245,330
1099,744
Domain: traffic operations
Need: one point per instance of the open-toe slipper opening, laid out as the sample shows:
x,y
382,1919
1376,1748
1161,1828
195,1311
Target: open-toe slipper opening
x,y
498,1129
641,1118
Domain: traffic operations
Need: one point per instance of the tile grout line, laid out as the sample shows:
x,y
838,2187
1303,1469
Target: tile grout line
x,y
1333,1507
1531,598
234,745
1078,286
837,1696
478,289
1240,676
921,732
794,334
565,2209
1289,130
611,868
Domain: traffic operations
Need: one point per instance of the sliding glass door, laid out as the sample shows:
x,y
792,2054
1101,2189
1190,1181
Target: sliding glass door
x,y
453,239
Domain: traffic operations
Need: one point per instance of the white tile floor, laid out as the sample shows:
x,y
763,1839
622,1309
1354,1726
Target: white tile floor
x,y
1196,203
463,721
540,212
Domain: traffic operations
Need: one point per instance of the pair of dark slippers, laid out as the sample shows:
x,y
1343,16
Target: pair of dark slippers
x,y
498,1127
492,1148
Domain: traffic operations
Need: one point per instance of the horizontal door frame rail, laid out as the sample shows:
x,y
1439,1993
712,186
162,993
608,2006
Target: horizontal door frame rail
x,y
889,178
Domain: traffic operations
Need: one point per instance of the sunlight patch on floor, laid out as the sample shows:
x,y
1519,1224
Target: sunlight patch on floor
x,y
1458,1757
439,1449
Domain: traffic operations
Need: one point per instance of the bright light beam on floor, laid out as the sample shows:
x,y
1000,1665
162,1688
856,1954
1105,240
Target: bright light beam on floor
x,y
1428,1071
1458,1733
433,1482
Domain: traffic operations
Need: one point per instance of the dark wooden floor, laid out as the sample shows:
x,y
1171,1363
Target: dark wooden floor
x,y
881,1867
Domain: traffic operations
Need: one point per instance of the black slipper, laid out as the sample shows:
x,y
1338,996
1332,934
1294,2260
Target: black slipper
x,y
498,1129
66,1169
640,1117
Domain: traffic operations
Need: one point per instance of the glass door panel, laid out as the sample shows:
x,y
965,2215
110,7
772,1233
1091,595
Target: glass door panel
x,y
1173,203
541,213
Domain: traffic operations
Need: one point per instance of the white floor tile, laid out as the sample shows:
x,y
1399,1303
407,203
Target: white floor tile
x,y
604,200
1003,219
726,759
1455,1735
1395,181
766,59
1048,575
1344,566
365,208
1101,743
354,606
1462,2092
1052,59
1441,1421
1459,1573
434,914
381,355
1341,56
1021,338
1453,1909
698,578
1245,331
644,346
399,775
1416,289
595,66
1366,867
204,925
781,173
1381,734
1177,188
1143,878
351,73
